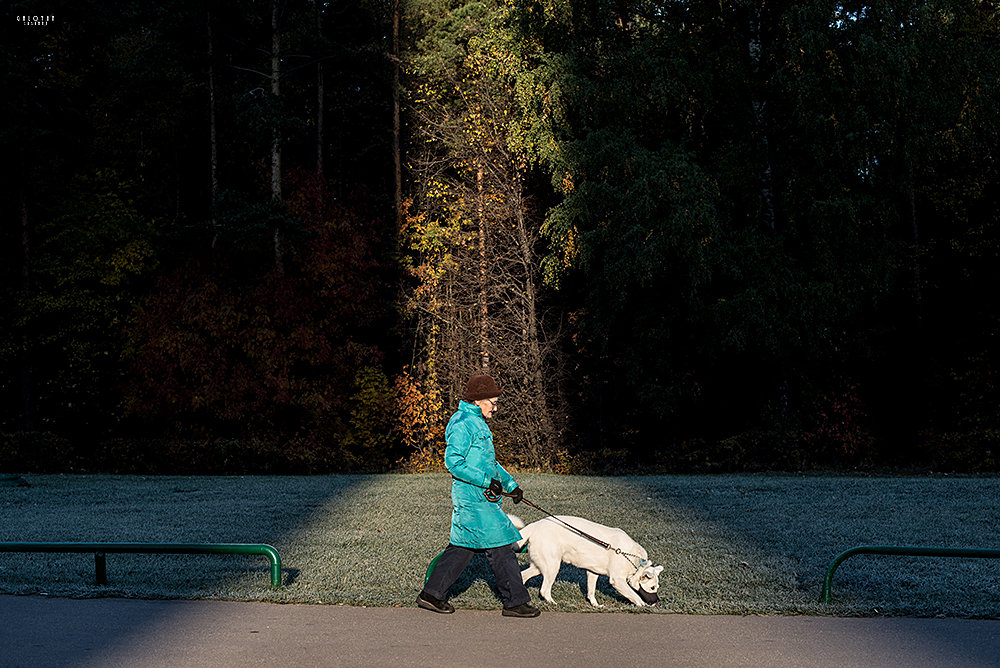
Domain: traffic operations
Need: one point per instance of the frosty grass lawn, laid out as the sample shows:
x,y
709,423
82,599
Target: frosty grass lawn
x,y
742,544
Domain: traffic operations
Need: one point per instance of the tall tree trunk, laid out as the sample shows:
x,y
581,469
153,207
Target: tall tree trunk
x,y
759,108
212,136
484,327
27,385
320,98
396,158
534,379
178,195
279,263
918,292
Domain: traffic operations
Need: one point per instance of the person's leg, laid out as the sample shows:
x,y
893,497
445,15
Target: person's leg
x,y
507,572
449,567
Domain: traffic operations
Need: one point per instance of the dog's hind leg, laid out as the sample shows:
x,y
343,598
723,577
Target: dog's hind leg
x,y
549,572
592,589
546,589
529,572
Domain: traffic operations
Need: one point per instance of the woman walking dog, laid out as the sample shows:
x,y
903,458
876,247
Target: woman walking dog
x,y
478,526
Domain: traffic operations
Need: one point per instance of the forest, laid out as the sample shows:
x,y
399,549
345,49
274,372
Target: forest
x,y
277,236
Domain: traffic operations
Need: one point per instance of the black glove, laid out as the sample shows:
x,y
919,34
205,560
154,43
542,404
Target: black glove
x,y
496,487
517,495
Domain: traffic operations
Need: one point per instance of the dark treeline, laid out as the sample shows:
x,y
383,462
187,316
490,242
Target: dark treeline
x,y
689,236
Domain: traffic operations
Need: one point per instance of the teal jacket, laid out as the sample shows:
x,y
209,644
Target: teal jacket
x,y
476,522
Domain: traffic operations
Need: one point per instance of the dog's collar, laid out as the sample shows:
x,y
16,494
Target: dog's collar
x,y
642,565
633,580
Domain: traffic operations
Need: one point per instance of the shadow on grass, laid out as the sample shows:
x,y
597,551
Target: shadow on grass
x,y
163,510
168,509
762,544
778,534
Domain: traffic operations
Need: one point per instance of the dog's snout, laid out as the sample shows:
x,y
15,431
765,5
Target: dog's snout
x,y
650,598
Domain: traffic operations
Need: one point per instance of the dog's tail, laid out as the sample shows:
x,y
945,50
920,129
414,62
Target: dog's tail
x,y
518,524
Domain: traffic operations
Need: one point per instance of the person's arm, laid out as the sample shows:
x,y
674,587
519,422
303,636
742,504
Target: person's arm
x,y
506,479
456,454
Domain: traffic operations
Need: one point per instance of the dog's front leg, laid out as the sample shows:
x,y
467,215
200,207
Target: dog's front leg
x,y
592,589
621,585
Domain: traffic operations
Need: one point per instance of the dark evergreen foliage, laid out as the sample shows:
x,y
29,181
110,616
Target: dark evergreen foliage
x,y
768,231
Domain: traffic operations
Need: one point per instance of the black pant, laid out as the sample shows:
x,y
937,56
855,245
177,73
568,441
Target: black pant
x,y
506,570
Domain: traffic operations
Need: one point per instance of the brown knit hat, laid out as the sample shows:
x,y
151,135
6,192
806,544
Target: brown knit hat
x,y
481,387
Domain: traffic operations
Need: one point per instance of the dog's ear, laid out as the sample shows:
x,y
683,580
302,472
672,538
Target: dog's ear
x,y
658,570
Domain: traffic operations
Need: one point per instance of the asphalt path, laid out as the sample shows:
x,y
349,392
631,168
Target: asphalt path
x,y
51,632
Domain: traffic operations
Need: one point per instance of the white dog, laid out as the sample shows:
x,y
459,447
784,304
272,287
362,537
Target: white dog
x,y
550,542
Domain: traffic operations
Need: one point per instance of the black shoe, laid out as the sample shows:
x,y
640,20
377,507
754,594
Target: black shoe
x,y
428,602
523,610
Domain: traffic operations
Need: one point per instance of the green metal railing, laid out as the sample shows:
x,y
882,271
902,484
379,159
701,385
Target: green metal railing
x,y
902,550
101,549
